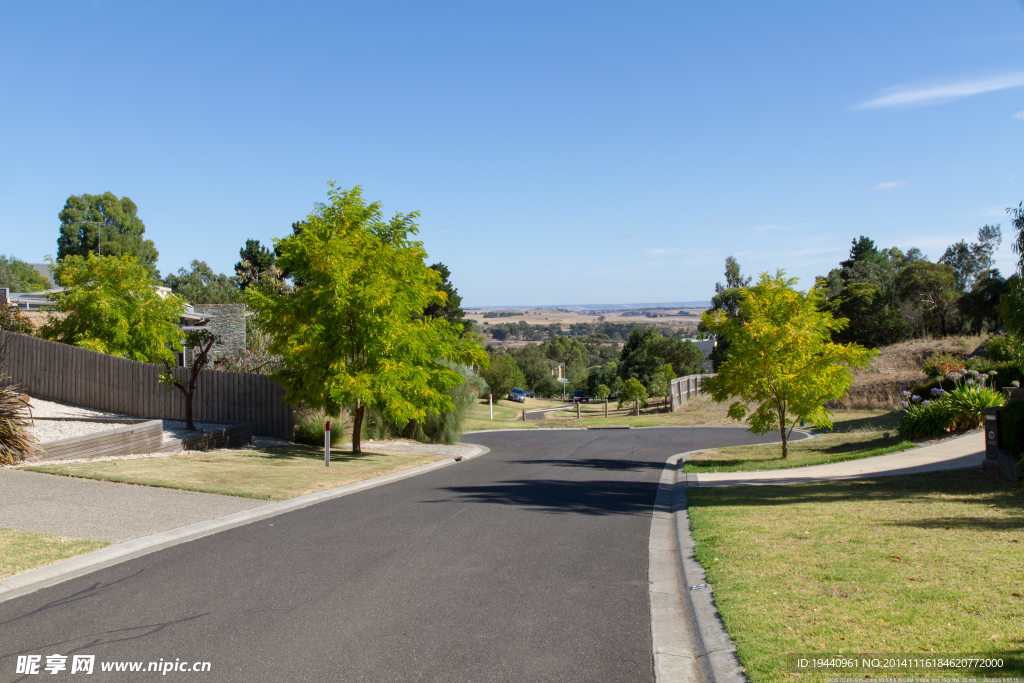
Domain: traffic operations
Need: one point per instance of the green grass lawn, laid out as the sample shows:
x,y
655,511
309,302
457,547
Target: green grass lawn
x,y
915,565
855,434
24,550
508,415
272,473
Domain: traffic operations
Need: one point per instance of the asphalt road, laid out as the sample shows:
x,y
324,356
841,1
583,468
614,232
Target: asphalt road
x,y
529,563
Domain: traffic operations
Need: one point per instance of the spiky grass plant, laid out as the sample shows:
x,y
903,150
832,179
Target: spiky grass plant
x,y
15,440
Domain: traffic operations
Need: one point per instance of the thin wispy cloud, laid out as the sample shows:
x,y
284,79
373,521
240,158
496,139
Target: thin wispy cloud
x,y
890,185
627,235
923,96
1019,115
662,251
771,227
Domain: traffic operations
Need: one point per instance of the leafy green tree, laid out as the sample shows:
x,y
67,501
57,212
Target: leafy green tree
x,y
255,263
929,292
535,366
726,299
105,225
111,305
353,334
872,320
602,392
451,309
682,354
201,342
970,260
502,375
18,276
661,381
980,307
633,392
782,360
200,285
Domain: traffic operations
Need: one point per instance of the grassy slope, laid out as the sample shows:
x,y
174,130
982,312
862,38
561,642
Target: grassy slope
x,y
921,564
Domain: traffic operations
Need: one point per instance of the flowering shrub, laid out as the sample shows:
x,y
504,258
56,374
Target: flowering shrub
x,y
957,409
940,364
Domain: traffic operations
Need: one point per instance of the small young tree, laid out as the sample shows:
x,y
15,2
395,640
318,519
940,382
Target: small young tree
x,y
201,342
781,358
633,391
602,392
111,305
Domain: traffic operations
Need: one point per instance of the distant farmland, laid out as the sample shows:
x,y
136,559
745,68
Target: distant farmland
x,y
514,327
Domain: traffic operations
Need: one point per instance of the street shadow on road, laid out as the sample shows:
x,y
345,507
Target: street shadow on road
x,y
606,497
610,464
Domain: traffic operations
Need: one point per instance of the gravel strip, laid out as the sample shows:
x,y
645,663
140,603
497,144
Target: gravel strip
x,y
46,431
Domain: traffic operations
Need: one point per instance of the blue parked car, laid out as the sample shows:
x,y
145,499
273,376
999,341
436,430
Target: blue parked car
x,y
517,395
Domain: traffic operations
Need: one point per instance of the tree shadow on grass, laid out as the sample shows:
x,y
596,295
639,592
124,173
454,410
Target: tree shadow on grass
x,y
971,487
698,465
298,452
888,421
608,497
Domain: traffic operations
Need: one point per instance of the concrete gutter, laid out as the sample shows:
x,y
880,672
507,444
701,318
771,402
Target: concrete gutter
x,y
688,638
32,580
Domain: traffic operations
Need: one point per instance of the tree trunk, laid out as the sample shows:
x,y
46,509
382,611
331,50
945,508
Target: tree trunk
x,y
190,425
357,428
782,433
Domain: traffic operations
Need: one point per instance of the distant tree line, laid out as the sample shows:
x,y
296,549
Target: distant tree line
x,y
524,331
593,365
889,295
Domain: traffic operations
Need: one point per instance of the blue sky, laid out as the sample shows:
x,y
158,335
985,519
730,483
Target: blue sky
x,y
558,152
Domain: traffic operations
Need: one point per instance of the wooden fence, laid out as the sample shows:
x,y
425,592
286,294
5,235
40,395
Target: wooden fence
x,y
60,372
684,388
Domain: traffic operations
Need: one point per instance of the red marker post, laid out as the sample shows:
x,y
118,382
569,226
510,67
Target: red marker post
x,y
327,443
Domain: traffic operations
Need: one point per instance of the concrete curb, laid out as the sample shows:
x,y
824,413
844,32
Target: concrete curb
x,y
688,638
32,580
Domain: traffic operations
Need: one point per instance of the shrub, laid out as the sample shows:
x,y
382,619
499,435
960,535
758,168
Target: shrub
x,y
309,427
13,320
957,409
1011,428
967,402
941,364
1002,347
925,419
437,427
15,441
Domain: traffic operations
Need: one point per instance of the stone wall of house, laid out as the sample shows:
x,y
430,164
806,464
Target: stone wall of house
x,y
228,324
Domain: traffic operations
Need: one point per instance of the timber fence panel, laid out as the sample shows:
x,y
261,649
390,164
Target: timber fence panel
x,y
68,374
682,389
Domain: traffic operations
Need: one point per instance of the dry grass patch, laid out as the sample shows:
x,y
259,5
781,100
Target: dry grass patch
x,y
24,550
897,367
915,565
272,473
